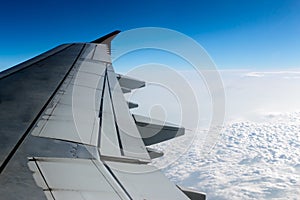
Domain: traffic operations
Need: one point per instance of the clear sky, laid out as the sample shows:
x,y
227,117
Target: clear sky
x,y
258,34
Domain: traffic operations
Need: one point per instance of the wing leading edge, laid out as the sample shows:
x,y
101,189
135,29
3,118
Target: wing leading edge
x,y
80,140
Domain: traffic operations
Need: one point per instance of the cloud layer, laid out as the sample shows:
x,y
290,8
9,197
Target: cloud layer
x,y
258,153
250,161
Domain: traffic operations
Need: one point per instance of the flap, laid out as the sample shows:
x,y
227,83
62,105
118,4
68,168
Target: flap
x,y
156,131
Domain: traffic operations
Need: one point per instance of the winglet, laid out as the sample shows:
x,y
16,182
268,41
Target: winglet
x,y
106,38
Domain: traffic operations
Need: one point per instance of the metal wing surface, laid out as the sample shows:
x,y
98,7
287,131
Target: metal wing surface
x,y
67,131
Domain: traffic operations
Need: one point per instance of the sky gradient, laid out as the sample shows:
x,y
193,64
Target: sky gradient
x,y
237,34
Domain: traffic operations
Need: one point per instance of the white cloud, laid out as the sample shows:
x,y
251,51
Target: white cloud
x,y
251,160
282,74
258,155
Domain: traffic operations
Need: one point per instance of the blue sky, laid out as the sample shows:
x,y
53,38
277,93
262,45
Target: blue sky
x,y
256,34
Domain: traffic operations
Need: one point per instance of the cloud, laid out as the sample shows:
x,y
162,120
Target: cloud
x,y
282,74
258,154
251,160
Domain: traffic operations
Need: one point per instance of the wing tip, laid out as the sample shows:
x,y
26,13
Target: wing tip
x,y
106,37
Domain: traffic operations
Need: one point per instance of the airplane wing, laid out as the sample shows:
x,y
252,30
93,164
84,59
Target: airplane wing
x,y
67,131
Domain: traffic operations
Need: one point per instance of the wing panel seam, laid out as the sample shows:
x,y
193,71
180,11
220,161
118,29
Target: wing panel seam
x,y
43,177
21,140
107,179
101,108
117,180
116,124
